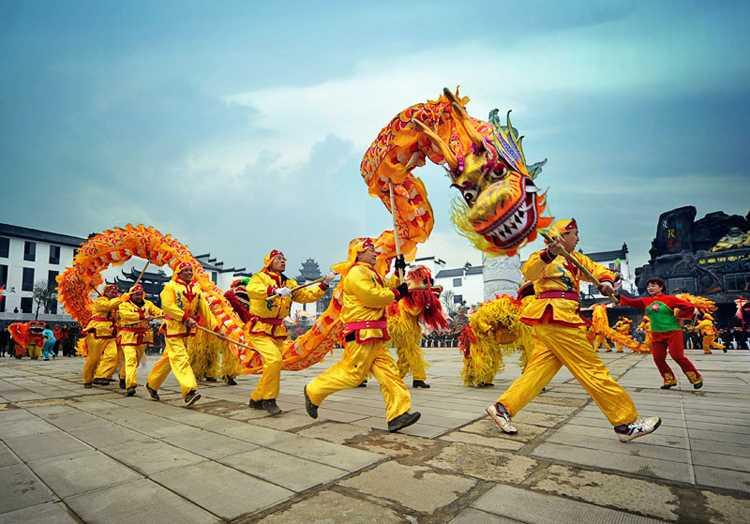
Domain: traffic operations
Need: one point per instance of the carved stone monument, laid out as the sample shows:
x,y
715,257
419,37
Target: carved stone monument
x,y
501,275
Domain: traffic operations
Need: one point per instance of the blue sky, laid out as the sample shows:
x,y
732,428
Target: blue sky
x,y
239,126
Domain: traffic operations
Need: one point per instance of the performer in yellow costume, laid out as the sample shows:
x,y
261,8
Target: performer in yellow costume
x,y
365,297
271,295
559,339
645,327
134,333
708,333
184,308
100,331
622,326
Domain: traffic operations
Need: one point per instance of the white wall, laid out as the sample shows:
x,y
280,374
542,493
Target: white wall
x,y
471,288
41,266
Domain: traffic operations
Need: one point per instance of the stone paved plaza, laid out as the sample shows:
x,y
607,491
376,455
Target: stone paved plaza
x,y
73,455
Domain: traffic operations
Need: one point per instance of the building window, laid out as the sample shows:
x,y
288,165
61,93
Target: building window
x,y
456,282
458,299
29,251
75,252
52,280
214,277
28,279
4,247
681,285
3,276
27,303
54,254
737,282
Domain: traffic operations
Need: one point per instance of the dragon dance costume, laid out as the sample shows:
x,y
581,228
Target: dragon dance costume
x,y
184,305
666,333
271,295
134,333
622,326
708,334
406,319
100,331
365,298
560,340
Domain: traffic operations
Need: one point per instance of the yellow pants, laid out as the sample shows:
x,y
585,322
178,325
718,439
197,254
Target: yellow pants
x,y
175,359
555,346
132,356
96,348
111,359
270,350
411,360
709,343
358,361
599,341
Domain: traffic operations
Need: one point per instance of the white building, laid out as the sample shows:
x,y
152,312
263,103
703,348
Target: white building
x,y
465,283
618,262
28,257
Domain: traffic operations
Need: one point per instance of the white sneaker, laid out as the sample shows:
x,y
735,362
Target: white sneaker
x,y
639,428
500,416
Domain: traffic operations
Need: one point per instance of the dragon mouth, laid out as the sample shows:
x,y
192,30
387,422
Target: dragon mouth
x,y
514,226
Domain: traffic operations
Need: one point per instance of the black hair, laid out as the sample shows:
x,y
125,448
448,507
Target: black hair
x,y
658,281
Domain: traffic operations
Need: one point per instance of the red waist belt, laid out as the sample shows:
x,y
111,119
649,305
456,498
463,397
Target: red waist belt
x,y
565,295
365,324
132,329
101,319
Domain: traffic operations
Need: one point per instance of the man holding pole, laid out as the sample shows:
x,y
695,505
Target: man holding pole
x,y
559,340
365,297
184,307
134,332
100,332
271,295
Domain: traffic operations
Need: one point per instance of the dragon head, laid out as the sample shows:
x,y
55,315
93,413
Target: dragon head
x,y
500,207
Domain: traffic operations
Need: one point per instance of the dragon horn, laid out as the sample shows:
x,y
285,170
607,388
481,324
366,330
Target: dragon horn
x,y
462,117
448,155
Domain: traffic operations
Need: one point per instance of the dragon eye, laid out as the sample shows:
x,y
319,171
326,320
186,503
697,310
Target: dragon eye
x,y
470,195
494,175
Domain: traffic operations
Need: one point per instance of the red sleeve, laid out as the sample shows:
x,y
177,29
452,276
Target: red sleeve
x,y
687,310
638,303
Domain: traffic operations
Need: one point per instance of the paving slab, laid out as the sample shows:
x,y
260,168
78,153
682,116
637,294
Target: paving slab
x,y
284,470
727,509
152,456
49,513
141,501
342,457
207,443
605,489
335,432
415,487
722,478
20,488
528,506
334,508
81,472
222,490
484,463
474,516
45,445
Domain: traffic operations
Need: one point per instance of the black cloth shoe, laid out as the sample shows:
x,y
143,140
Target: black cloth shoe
x,y
420,384
122,383
88,385
667,386
210,379
255,404
311,408
101,381
152,392
698,385
485,385
191,398
403,421
270,406
130,392
230,381
363,384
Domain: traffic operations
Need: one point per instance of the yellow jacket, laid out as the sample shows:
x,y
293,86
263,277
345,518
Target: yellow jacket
x,y
102,323
132,327
557,275
365,297
267,310
706,327
181,301
623,326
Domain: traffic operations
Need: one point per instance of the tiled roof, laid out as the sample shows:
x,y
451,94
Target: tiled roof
x,y
39,235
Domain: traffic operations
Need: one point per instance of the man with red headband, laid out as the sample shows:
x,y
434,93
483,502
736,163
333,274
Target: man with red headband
x,y
100,331
184,308
554,316
271,294
364,300
134,332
